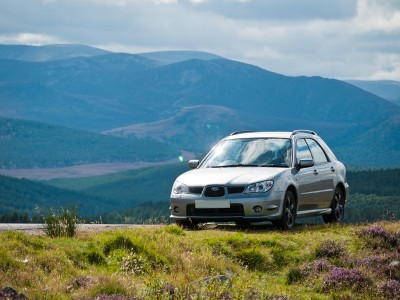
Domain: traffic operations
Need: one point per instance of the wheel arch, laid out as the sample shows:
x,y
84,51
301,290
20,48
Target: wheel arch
x,y
293,189
341,186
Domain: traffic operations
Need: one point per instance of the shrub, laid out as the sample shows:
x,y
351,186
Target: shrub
x,y
377,237
299,274
295,275
60,223
174,229
340,278
389,289
119,242
329,249
95,257
252,258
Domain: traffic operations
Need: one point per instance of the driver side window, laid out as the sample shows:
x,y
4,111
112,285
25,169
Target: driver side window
x,y
302,150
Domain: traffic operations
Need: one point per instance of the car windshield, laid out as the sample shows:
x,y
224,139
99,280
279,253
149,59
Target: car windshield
x,y
256,152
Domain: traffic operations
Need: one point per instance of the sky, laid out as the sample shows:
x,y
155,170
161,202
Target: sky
x,y
343,39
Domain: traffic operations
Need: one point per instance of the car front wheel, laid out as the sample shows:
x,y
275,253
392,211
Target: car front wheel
x,y
288,218
337,206
188,224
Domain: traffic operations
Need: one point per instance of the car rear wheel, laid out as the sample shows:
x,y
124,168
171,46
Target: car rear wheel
x,y
288,218
337,206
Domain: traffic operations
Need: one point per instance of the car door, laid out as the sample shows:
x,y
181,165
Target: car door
x,y
326,173
307,179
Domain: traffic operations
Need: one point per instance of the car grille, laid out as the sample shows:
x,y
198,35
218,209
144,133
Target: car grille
x,y
209,193
235,189
196,189
214,191
234,210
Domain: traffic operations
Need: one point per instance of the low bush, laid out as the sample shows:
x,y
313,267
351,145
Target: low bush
x,y
329,249
60,223
378,237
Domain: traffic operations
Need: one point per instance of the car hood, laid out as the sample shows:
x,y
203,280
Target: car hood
x,y
228,176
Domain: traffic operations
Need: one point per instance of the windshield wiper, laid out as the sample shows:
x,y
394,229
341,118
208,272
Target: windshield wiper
x,y
274,165
234,166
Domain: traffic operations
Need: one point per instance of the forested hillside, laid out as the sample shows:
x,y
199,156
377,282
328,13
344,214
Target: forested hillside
x,y
28,144
142,195
21,200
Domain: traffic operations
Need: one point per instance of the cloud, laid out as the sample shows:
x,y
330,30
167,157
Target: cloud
x,y
340,39
277,9
29,39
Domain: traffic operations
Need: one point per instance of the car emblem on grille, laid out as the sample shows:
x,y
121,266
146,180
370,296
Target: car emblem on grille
x,y
215,189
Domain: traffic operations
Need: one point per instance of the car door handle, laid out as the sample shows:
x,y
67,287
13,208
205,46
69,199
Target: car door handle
x,y
332,169
315,172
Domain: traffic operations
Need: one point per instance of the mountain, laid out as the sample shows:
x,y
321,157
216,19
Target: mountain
x,y
28,144
47,53
168,57
86,93
387,89
198,128
194,102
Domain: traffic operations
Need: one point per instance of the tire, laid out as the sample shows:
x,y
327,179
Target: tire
x,y
288,218
187,224
243,224
337,206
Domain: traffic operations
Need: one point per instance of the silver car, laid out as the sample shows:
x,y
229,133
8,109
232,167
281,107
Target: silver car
x,y
262,176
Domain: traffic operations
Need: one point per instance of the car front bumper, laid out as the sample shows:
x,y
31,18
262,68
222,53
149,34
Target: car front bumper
x,y
236,208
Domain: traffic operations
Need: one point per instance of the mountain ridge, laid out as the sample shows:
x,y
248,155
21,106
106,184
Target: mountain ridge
x,y
47,52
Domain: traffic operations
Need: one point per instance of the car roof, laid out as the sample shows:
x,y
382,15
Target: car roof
x,y
273,134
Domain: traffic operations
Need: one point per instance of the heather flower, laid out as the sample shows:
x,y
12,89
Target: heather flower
x,y
113,297
314,268
344,278
320,265
329,249
376,237
389,289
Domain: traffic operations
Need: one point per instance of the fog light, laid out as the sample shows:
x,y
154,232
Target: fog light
x,y
257,209
176,209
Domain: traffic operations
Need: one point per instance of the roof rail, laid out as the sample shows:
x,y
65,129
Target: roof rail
x,y
303,131
242,131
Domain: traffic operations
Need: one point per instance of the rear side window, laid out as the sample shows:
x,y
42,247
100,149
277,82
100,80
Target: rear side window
x,y
302,150
317,152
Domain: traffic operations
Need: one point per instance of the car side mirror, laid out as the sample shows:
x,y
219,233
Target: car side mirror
x,y
306,163
193,163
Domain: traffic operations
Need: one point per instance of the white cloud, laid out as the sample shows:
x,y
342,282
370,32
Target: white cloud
x,y
341,39
29,39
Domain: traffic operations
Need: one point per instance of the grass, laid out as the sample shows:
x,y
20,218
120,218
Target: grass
x,y
166,262
60,223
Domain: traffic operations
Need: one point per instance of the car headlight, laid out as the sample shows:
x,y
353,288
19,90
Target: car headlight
x,y
180,188
259,187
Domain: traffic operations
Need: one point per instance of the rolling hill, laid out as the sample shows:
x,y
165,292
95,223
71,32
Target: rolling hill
x,y
28,144
23,196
